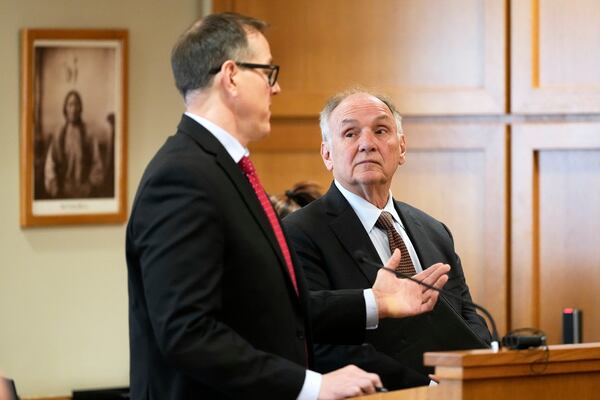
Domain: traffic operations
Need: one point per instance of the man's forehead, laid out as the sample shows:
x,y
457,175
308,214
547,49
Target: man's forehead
x,y
383,116
258,43
361,104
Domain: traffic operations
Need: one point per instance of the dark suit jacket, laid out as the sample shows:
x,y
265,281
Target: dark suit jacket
x,y
212,310
326,235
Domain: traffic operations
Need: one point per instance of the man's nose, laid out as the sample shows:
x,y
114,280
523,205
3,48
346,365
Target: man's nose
x,y
275,89
366,141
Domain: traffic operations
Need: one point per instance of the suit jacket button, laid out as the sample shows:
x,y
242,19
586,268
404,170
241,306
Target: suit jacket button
x,y
300,334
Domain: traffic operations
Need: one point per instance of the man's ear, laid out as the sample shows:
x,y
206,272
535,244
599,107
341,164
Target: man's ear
x,y
402,149
228,77
326,156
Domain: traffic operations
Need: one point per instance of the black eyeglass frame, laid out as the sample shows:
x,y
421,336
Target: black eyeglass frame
x,y
271,77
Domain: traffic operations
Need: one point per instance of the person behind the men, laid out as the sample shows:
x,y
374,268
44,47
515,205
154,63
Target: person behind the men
x,y
217,309
363,145
299,195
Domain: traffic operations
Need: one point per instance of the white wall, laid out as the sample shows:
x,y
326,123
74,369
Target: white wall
x,y
63,290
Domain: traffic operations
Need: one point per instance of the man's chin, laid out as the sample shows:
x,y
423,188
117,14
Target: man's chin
x,y
371,179
261,133
265,131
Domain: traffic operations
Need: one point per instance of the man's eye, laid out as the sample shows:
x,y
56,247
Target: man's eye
x,y
349,134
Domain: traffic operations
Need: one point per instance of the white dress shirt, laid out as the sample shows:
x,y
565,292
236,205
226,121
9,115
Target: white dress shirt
x,y
368,214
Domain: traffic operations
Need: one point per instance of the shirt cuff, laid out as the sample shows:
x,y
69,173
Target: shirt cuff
x,y
312,386
371,309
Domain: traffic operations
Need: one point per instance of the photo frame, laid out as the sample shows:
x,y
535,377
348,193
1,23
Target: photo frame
x,y
73,126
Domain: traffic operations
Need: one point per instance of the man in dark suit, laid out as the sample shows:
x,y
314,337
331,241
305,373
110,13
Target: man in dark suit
x,y
363,145
217,308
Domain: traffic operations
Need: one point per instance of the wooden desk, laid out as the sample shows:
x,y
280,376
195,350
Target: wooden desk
x,y
560,372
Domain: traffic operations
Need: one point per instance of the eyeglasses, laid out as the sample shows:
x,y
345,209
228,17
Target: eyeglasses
x,y
272,75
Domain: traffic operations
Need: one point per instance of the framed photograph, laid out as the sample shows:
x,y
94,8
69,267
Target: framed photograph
x,y
73,126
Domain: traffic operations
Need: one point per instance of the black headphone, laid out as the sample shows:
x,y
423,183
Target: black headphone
x,y
524,338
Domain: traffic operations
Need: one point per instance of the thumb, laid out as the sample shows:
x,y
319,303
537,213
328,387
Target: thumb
x,y
394,260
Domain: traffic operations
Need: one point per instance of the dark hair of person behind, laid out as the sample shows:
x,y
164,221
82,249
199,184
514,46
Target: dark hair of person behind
x,y
208,44
301,194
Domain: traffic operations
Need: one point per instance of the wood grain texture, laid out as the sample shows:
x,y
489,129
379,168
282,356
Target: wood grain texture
x,y
567,371
430,57
457,173
555,217
555,55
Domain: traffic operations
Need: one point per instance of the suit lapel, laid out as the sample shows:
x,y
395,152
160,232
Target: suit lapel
x,y
350,231
209,143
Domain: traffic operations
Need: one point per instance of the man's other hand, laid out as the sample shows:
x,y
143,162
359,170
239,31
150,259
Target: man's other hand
x,y
349,381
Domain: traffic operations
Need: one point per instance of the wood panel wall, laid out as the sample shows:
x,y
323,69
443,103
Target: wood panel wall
x,y
431,57
501,100
457,173
556,56
555,47
556,217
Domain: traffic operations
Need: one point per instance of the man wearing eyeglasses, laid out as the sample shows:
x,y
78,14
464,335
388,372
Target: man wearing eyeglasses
x,y
218,309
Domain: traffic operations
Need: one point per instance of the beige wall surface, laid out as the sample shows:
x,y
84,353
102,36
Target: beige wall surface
x,y
63,290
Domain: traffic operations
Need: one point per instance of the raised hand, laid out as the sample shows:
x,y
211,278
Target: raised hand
x,y
398,298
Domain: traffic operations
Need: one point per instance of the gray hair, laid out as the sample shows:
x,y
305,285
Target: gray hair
x,y
335,101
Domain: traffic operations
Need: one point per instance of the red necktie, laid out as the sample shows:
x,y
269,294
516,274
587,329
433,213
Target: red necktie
x,y
386,223
248,169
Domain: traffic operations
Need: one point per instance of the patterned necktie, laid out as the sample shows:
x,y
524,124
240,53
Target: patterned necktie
x,y
248,169
386,222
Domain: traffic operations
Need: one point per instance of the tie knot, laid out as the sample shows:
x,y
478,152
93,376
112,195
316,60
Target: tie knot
x,y
385,221
247,166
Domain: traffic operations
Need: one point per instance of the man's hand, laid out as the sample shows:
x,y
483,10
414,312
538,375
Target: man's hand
x,y
349,381
398,298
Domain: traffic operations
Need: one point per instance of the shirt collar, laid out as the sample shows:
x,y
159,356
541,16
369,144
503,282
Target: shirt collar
x,y
231,144
366,212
